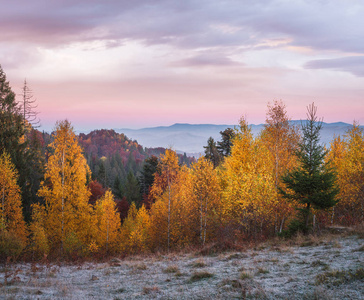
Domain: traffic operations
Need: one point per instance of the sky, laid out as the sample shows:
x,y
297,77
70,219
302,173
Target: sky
x,y
135,64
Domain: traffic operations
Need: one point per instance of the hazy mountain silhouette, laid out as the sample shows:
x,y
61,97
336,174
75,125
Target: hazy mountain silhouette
x,y
191,138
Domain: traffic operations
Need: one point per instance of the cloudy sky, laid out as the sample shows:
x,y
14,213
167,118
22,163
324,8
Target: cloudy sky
x,y
123,63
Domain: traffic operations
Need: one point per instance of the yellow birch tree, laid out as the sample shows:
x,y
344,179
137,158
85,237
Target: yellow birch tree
x,y
12,224
68,214
108,223
347,156
281,139
248,183
205,197
162,186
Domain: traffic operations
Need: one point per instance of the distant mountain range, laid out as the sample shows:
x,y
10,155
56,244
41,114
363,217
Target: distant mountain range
x,y
190,138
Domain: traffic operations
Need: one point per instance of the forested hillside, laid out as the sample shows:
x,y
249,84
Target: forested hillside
x,y
68,196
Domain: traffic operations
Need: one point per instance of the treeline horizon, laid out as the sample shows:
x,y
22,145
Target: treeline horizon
x,y
96,194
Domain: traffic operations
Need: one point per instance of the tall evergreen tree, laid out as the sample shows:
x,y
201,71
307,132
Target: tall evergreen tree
x,y
312,184
224,146
211,152
146,178
12,140
132,189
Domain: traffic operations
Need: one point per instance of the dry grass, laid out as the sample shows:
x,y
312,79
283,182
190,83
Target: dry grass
x,y
139,267
148,290
199,263
245,275
171,269
262,271
231,275
337,277
197,276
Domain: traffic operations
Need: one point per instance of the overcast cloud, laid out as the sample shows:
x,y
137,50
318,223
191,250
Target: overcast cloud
x,y
113,42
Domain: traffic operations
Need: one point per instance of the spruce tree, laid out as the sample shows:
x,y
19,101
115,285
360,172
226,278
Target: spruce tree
x,y
312,184
211,152
224,146
12,140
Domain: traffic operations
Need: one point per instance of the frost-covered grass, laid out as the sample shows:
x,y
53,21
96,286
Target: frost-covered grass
x,y
303,268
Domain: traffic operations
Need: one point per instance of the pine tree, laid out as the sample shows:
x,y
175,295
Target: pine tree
x,y
211,152
224,146
132,189
146,178
12,139
312,184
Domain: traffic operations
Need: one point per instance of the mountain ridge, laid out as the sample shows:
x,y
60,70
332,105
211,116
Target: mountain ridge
x,y
190,138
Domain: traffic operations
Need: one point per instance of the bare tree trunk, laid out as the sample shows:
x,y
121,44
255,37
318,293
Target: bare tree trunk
x,y
169,210
201,221
3,206
62,226
204,235
314,222
107,233
307,215
281,228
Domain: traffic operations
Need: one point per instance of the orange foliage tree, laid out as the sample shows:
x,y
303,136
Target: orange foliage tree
x,y
12,225
347,157
205,198
69,224
281,139
162,186
248,184
108,223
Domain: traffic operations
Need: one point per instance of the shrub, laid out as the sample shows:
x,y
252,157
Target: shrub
x,y
10,245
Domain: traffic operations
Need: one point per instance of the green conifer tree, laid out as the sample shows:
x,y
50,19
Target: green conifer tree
x,y
312,184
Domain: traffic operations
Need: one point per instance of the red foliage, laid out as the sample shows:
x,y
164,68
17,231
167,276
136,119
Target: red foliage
x,y
123,207
147,200
97,191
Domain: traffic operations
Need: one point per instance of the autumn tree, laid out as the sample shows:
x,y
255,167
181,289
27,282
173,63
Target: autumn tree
x,y
169,168
247,184
64,189
39,243
205,194
312,183
135,230
346,154
281,138
354,139
96,191
108,223
12,224
173,217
